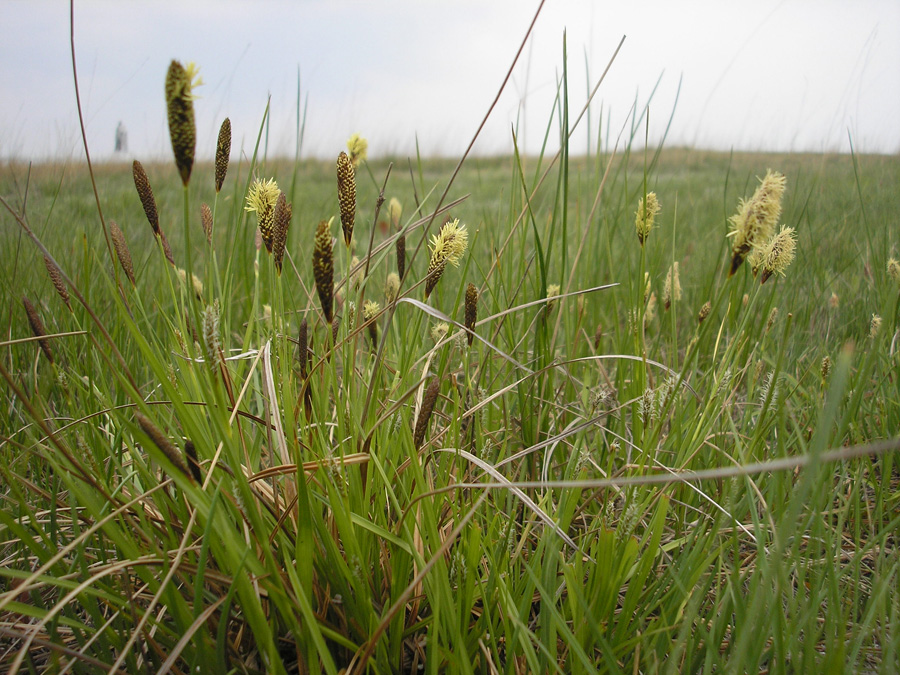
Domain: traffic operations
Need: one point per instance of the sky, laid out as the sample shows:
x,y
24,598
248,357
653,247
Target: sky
x,y
757,75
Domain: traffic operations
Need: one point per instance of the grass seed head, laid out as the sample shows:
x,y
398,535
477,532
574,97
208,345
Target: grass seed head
x,y
346,185
161,441
392,287
756,218
826,367
180,82
122,252
167,250
893,270
552,293
428,401
206,220
37,327
672,287
358,147
56,279
704,312
439,331
195,282
874,326
323,269
370,311
223,153
193,463
261,199
777,254
401,255
395,209
212,335
646,213
303,345
471,311
145,192
281,224
447,246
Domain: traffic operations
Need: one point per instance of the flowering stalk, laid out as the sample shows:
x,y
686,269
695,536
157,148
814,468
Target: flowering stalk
x,y
447,246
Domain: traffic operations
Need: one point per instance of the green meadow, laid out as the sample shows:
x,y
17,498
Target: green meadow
x,y
564,459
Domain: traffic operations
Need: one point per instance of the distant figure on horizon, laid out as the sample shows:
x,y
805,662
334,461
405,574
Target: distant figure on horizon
x,y
121,139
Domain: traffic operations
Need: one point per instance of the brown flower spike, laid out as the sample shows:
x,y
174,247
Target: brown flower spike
x,y
145,192
323,269
471,311
346,184
122,252
57,280
37,327
161,441
223,153
206,220
281,223
428,401
182,126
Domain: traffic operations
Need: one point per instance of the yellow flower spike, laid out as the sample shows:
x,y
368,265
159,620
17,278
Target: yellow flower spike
x,y
447,246
777,254
756,218
262,198
646,213
358,148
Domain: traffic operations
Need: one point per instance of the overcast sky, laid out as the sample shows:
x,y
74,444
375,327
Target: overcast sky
x,y
754,74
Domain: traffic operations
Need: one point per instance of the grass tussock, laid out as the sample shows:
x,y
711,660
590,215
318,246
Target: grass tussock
x,y
577,455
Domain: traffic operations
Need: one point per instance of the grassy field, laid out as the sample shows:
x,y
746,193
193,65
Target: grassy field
x,y
595,483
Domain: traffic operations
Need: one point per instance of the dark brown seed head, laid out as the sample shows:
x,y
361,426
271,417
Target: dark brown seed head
x,y
335,327
161,441
598,335
145,192
37,327
57,280
167,250
323,269
182,127
428,401
122,252
206,219
282,221
193,462
223,152
303,346
346,182
401,255
471,311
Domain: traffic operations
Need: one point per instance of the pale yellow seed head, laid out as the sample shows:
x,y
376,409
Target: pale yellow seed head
x,y
358,149
439,331
448,246
756,218
392,287
645,215
834,301
893,270
777,254
261,199
195,281
874,326
672,286
370,309
395,209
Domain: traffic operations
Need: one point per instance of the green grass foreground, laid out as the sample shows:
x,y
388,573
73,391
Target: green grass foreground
x,y
547,520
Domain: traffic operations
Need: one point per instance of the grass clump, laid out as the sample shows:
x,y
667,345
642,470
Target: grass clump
x,y
534,470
